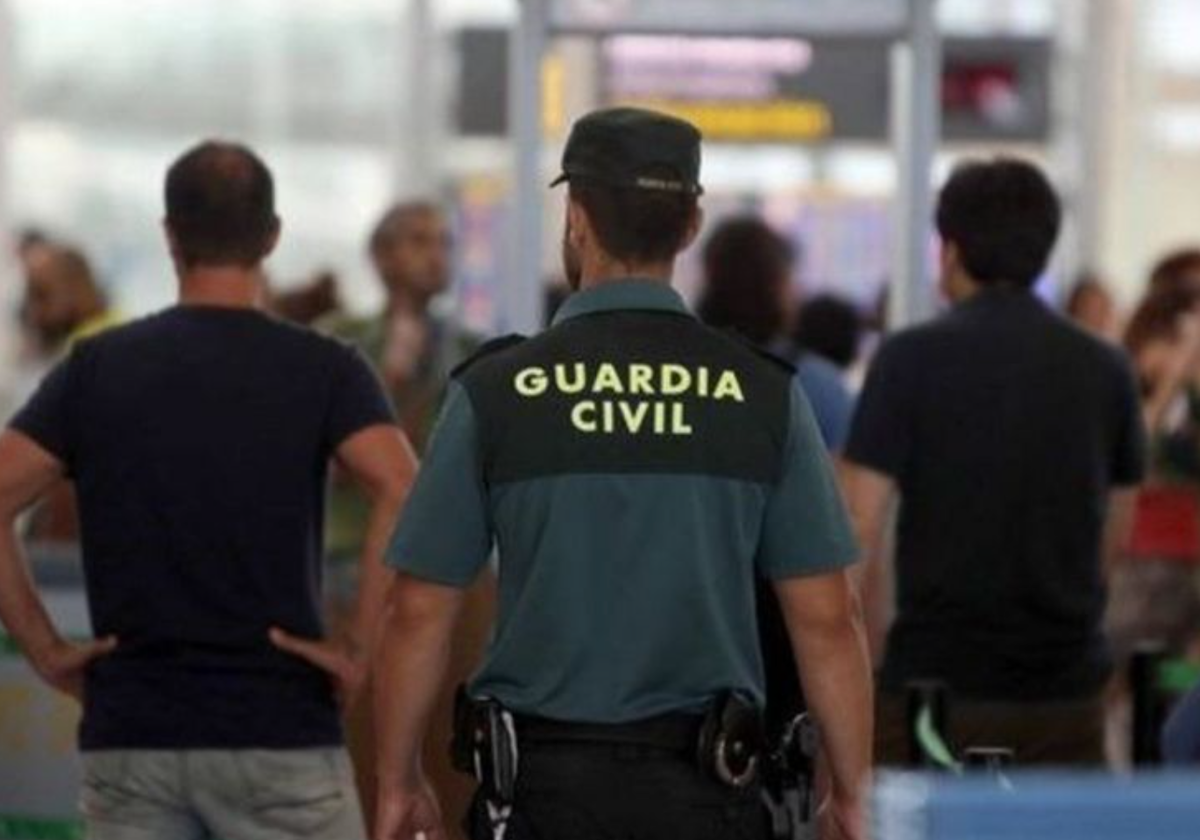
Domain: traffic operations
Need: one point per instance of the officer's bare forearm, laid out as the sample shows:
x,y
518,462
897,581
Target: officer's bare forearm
x,y
826,630
837,685
413,656
21,609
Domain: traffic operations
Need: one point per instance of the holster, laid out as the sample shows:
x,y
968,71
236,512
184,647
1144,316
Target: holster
x,y
732,742
485,746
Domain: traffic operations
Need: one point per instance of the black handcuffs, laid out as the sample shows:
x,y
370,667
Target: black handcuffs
x,y
732,741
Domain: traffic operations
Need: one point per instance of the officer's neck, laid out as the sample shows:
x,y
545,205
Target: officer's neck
x,y
600,269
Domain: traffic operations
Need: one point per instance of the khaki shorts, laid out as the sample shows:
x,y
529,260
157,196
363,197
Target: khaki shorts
x,y
225,794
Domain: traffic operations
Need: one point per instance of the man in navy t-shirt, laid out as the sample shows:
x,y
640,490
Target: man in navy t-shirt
x,y
198,440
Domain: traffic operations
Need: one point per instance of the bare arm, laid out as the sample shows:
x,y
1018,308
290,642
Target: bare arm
x,y
870,496
26,472
382,462
825,626
411,665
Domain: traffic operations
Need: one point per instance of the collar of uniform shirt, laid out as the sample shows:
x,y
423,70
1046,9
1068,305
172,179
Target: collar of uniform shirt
x,y
611,295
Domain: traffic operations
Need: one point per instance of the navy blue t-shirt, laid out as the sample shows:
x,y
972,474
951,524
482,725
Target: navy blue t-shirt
x,y
198,440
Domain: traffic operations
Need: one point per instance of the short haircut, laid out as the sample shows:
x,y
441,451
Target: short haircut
x,y
394,218
220,201
636,225
1003,216
745,263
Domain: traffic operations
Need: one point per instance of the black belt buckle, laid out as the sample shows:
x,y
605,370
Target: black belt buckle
x,y
732,741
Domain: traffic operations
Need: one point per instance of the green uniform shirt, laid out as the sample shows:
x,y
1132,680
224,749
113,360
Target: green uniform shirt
x,y
635,470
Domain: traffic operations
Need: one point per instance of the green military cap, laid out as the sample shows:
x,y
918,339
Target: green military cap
x,y
633,147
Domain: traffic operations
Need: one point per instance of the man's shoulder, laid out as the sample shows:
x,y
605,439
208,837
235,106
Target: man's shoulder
x,y
129,334
1085,343
919,343
139,335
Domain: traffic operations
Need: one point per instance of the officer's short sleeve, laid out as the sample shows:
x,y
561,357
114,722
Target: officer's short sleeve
x,y
445,534
358,400
1128,458
46,418
881,433
805,529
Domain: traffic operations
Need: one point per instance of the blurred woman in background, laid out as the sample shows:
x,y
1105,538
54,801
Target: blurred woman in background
x,y
1154,595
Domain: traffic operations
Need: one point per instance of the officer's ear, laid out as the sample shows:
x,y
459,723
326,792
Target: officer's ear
x,y
695,224
579,226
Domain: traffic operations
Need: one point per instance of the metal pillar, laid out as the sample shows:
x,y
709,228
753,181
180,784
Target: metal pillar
x,y
521,294
1090,134
7,271
418,174
916,122
916,129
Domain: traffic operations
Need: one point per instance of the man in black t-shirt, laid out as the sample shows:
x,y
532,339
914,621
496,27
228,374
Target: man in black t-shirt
x,y
1012,439
198,440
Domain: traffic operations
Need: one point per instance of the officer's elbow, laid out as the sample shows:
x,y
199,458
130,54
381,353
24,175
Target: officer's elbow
x,y
821,610
418,606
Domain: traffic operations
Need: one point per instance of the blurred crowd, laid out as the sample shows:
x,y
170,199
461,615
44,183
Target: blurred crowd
x,y
752,285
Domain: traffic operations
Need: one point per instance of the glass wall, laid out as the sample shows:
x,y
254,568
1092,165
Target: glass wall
x,y
107,92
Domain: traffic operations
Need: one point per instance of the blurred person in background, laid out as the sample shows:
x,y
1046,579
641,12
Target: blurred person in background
x,y
30,241
30,363
1012,441
308,302
747,288
199,439
414,348
830,327
63,301
1180,741
1177,270
63,304
1154,594
1090,305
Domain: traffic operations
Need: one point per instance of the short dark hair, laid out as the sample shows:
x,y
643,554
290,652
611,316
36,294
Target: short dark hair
x,y
220,201
831,327
745,262
1003,216
636,225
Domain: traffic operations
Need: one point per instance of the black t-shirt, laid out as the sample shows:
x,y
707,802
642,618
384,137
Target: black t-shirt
x,y
198,440
1005,428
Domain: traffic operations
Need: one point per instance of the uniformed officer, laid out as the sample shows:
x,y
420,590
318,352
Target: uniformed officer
x,y
635,469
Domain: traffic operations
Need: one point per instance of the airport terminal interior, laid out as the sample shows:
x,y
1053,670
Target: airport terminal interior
x,y
832,124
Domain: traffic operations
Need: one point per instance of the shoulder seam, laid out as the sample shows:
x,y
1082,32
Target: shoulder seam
x,y
488,348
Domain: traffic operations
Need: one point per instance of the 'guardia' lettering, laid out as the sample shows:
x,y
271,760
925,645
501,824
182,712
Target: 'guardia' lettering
x,y
531,382
631,409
